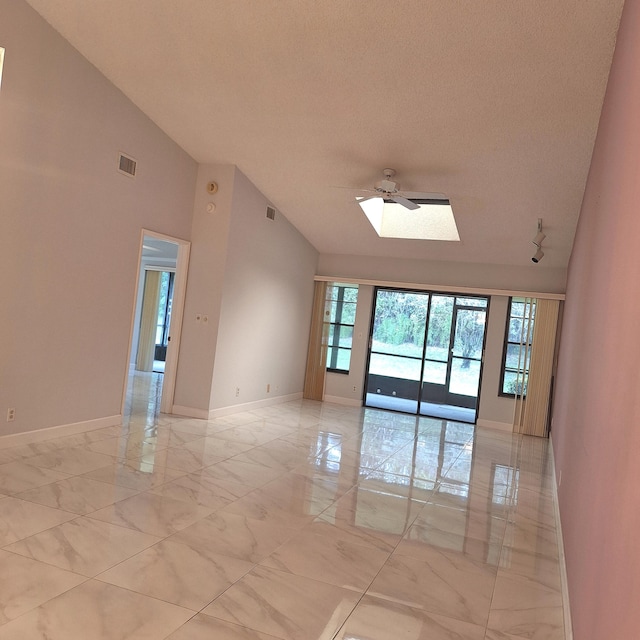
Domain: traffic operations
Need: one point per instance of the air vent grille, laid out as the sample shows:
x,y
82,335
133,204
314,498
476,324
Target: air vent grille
x,y
127,165
271,213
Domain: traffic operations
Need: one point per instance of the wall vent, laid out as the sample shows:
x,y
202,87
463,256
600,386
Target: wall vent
x,y
271,213
127,165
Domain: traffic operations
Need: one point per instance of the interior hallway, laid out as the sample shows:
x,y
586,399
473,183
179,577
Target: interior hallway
x,y
293,522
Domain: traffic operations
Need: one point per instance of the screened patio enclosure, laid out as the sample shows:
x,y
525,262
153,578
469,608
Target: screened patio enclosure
x,y
425,354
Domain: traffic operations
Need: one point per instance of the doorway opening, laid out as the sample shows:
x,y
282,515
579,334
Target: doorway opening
x,y
425,353
156,325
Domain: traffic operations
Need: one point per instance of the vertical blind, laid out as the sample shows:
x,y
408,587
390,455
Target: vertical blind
x,y
148,321
318,340
533,391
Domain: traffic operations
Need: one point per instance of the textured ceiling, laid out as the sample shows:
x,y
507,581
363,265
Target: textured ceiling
x,y
493,103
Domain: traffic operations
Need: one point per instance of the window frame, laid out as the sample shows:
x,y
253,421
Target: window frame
x,y
506,342
337,324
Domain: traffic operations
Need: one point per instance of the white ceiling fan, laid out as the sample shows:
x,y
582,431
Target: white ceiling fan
x,y
388,189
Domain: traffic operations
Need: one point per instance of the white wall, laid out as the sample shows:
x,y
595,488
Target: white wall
x,y
70,225
207,265
266,304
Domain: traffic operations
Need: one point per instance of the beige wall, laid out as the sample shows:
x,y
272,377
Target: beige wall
x,y
449,274
495,410
70,225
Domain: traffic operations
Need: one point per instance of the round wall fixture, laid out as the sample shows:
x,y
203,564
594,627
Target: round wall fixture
x,y
212,187
211,207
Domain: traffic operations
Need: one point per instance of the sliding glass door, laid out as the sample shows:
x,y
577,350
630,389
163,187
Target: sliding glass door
x,y
396,350
426,353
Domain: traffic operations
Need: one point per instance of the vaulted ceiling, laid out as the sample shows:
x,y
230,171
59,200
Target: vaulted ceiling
x,y
493,103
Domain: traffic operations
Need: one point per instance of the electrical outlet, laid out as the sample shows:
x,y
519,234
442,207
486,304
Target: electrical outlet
x,y
268,388
237,392
11,414
354,388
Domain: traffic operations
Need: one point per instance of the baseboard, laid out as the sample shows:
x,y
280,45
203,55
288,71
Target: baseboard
x,y
348,402
566,605
38,435
498,426
248,406
189,412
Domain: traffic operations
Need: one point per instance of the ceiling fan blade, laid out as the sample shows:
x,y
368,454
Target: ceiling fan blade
x,y
356,189
364,198
405,202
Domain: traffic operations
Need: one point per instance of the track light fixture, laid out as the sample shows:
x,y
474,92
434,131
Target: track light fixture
x,y
538,242
539,238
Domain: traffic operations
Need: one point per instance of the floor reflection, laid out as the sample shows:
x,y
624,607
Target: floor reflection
x,y
298,520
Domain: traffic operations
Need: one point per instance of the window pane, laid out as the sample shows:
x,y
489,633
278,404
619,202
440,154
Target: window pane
x,y
435,372
393,367
343,312
514,358
338,358
439,332
342,302
400,321
348,313
406,349
340,335
515,330
517,309
521,316
469,333
471,302
465,377
349,294
511,384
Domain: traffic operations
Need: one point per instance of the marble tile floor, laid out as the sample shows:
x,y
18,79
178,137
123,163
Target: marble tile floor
x,y
298,521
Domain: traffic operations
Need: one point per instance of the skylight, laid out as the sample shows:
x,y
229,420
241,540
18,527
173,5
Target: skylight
x,y
432,221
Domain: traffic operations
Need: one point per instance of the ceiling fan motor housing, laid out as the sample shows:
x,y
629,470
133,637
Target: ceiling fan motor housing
x,y
387,186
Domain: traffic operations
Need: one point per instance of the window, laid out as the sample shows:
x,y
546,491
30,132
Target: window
x,y
164,308
519,332
341,301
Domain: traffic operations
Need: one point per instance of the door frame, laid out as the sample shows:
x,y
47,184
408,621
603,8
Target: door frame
x,y
450,398
177,316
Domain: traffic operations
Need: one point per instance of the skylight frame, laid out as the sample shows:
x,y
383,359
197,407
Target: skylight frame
x,y
434,220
